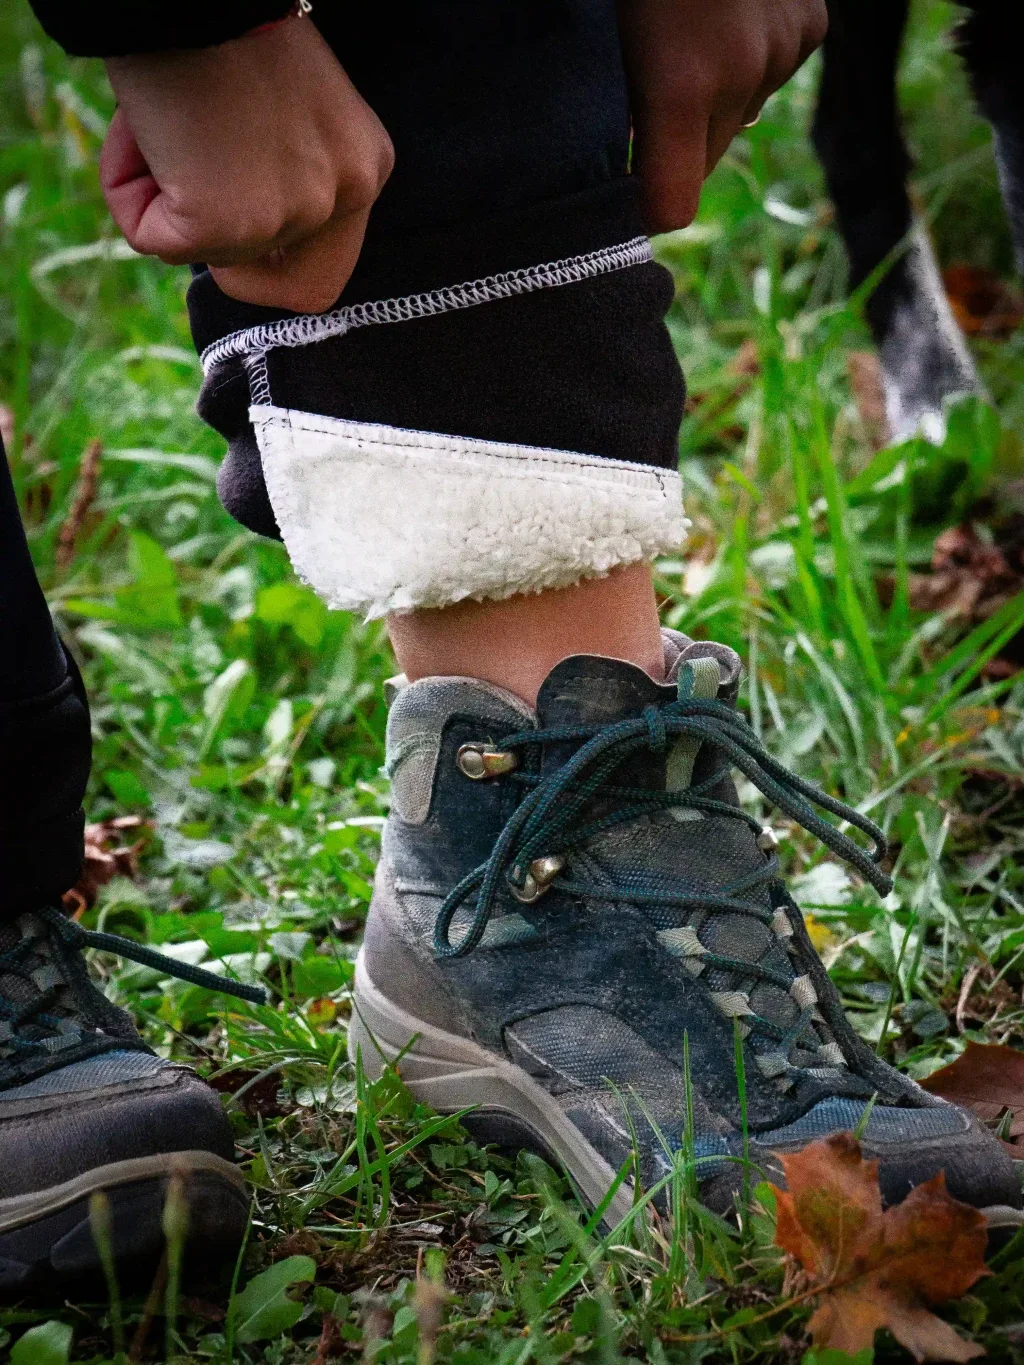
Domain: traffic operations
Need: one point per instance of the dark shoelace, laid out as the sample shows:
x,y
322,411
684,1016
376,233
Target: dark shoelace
x,y
551,821
16,962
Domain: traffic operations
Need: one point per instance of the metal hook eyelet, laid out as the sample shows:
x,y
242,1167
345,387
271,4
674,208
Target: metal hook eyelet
x,y
540,874
480,761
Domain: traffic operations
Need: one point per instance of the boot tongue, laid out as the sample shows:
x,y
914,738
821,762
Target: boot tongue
x,y
588,690
700,677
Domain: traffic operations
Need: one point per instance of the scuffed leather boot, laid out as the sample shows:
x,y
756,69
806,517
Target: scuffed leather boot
x,y
87,1108
569,898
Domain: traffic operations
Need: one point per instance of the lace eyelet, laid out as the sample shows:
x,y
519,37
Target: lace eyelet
x,y
480,761
767,840
539,876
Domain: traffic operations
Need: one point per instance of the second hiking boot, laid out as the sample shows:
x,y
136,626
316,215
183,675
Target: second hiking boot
x,y
87,1109
571,899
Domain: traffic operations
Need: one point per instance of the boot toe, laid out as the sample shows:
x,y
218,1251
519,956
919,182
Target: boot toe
x,y
121,1124
912,1145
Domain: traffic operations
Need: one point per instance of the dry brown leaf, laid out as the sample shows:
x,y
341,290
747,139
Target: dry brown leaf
x,y
740,370
877,1268
106,857
970,577
864,371
982,303
259,1092
973,574
745,361
322,1011
987,1079
85,496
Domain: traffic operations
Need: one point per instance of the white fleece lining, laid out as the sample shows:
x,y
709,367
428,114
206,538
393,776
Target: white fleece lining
x,y
378,519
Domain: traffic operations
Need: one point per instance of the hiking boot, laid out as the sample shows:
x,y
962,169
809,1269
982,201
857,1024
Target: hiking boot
x,y
87,1108
570,901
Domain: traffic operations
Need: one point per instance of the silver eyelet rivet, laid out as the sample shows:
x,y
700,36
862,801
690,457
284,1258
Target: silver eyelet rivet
x,y
478,761
542,872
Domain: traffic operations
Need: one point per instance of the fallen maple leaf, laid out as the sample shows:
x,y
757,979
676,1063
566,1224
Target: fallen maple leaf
x,y
877,1268
988,1079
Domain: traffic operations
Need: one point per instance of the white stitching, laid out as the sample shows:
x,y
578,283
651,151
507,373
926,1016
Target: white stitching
x,y
514,464
259,379
312,327
294,420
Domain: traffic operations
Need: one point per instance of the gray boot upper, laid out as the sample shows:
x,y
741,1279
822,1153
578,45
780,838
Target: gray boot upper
x,y
596,930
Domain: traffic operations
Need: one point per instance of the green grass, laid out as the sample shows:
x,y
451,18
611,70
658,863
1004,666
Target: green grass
x,y
245,722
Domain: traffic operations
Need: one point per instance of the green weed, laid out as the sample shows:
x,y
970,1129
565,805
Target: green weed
x,y
243,723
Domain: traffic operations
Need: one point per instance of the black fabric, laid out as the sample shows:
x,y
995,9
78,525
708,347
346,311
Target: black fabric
x,y
36,665
45,742
990,38
420,259
857,131
45,753
114,28
511,130
490,106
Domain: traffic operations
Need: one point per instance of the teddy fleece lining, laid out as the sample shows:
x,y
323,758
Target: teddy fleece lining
x,y
379,519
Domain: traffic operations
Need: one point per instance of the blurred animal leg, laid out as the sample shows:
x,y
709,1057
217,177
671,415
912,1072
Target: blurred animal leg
x,y
859,140
991,40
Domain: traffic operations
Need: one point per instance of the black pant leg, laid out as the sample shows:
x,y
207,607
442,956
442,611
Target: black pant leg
x,y
31,658
45,745
511,127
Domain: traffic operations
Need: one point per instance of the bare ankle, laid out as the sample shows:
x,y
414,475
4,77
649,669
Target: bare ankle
x,y
516,642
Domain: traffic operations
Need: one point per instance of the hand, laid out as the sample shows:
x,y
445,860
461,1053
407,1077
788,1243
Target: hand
x,y
257,156
699,70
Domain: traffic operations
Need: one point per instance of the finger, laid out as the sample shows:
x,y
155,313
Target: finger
x,y
128,185
815,28
723,126
670,153
307,278
218,233
785,60
224,232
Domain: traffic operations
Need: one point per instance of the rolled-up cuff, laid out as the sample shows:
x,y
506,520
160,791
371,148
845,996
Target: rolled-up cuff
x,y
379,518
539,328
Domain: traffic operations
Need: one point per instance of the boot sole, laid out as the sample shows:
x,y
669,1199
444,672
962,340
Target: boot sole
x,y
451,1073
48,1233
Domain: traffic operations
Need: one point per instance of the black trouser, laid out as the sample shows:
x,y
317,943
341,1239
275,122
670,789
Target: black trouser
x,y
510,122
511,129
44,732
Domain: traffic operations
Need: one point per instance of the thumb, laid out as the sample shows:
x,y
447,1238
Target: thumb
x,y
129,186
